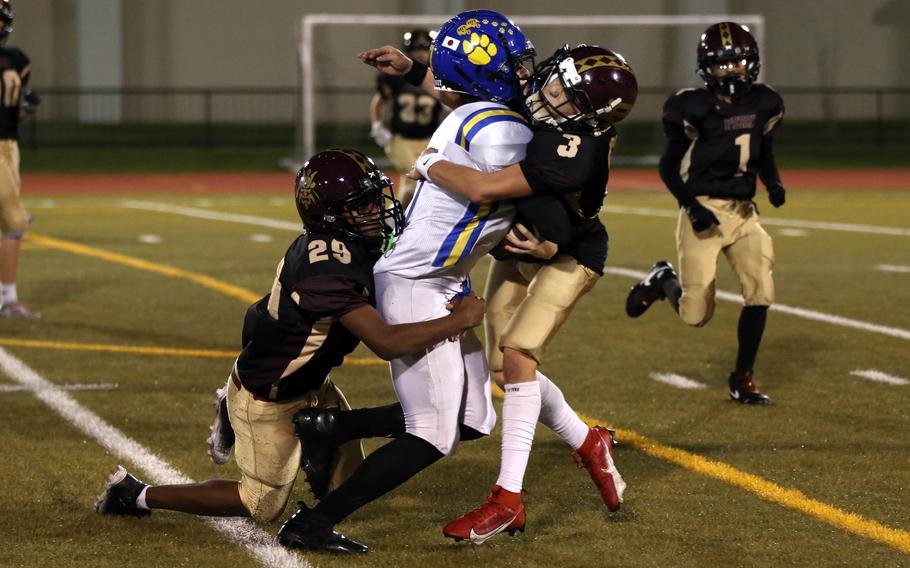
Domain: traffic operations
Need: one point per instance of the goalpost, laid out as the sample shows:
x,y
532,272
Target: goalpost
x,y
306,138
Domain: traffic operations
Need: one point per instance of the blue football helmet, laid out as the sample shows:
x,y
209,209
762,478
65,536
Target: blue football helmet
x,y
478,53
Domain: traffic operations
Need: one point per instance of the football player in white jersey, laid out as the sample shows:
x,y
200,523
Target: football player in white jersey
x,y
575,97
445,391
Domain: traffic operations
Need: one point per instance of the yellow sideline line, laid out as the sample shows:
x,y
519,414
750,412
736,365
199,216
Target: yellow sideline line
x,y
206,281
149,350
789,498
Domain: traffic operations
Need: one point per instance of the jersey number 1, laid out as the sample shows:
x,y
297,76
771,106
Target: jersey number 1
x,y
743,142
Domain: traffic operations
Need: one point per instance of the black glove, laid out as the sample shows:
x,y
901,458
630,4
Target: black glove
x,y
777,195
30,101
702,218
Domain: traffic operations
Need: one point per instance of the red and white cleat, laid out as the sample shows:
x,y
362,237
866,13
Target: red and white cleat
x,y
501,511
596,455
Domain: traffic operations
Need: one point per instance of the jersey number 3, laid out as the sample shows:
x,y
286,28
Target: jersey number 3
x,y
319,251
570,148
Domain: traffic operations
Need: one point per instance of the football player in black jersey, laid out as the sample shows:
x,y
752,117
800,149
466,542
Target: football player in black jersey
x,y
319,309
719,140
16,102
576,97
413,114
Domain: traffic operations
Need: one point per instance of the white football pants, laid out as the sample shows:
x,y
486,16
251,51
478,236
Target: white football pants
x,y
445,385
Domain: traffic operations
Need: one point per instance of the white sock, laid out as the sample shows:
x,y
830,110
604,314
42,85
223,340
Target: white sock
x,y
520,411
140,501
557,415
9,294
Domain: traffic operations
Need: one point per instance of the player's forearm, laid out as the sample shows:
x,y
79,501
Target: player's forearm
x,y
767,167
376,106
669,168
477,186
404,339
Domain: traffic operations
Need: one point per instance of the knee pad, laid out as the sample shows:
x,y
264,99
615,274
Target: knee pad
x,y
444,440
696,305
264,502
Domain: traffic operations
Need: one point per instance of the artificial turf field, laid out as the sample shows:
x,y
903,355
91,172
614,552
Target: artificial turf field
x,y
821,477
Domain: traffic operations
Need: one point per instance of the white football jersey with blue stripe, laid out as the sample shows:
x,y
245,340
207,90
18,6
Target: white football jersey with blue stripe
x,y
445,233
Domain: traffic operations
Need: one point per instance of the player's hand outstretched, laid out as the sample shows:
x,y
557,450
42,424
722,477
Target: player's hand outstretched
x,y
387,59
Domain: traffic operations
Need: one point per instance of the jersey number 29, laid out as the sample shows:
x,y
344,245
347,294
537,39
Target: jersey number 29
x,y
319,251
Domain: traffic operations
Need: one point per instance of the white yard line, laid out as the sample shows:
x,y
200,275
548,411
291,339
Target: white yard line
x,y
213,215
636,274
73,387
799,312
799,223
677,381
261,545
880,377
893,268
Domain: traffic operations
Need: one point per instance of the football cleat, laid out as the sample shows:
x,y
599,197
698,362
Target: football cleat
x,y
120,493
18,310
315,427
304,532
743,390
649,290
596,455
221,440
501,511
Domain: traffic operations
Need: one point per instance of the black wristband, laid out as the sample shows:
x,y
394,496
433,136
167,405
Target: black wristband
x,y
416,74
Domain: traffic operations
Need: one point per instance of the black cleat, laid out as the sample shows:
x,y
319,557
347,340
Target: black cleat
x,y
649,290
316,428
304,532
120,493
221,440
743,390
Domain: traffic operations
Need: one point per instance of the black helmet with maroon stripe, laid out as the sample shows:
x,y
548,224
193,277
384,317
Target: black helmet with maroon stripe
x,y
598,83
342,192
728,42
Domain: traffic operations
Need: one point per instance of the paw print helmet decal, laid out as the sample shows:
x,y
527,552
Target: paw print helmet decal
x,y
480,53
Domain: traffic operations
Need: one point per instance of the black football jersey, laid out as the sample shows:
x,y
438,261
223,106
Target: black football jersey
x,y
568,174
292,337
414,113
725,140
11,58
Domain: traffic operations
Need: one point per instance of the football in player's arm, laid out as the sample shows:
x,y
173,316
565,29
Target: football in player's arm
x,y
719,141
320,307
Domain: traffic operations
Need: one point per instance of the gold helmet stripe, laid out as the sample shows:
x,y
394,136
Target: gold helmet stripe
x,y
596,61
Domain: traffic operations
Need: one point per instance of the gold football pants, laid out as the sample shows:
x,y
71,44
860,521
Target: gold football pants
x,y
267,450
743,241
527,303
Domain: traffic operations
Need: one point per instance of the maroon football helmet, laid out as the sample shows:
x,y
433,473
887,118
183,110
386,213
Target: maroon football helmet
x,y
598,82
728,42
342,192
6,20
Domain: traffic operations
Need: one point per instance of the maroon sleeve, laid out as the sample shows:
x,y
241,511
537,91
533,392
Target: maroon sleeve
x,y
331,295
